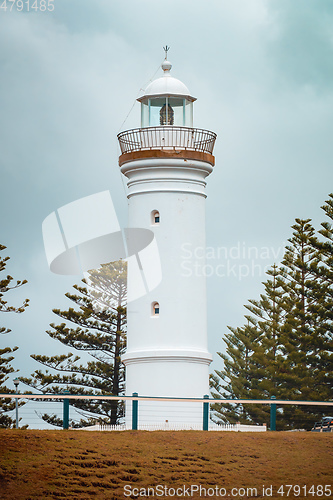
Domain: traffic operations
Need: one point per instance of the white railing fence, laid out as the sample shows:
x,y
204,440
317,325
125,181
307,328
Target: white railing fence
x,y
142,412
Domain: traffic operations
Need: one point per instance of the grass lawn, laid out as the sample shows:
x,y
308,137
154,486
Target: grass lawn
x,y
80,465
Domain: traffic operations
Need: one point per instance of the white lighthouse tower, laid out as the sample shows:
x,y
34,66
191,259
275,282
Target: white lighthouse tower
x,y
166,163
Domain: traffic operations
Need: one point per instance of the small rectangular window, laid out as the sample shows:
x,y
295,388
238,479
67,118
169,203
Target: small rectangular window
x,y
155,217
155,309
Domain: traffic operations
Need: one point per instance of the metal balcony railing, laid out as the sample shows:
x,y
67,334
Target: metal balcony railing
x,y
167,137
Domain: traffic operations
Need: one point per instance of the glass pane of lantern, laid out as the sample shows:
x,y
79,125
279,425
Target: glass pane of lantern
x,y
177,105
188,113
144,114
155,106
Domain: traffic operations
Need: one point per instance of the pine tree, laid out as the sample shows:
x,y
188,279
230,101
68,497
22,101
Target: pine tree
x,y
252,360
269,313
303,327
322,361
6,405
6,285
100,331
286,347
240,377
231,381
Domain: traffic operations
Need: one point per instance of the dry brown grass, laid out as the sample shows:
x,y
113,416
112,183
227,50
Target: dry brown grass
x,y
80,465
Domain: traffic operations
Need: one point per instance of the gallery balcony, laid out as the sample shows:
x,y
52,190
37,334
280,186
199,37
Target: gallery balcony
x,y
167,141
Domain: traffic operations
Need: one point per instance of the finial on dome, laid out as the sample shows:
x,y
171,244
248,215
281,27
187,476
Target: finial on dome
x,y
166,65
166,49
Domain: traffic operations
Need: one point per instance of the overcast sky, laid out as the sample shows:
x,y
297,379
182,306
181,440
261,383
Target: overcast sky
x,y
262,71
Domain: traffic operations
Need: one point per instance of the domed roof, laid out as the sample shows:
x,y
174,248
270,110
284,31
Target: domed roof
x,y
167,86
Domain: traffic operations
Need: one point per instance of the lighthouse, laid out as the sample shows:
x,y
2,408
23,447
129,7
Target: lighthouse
x,y
166,163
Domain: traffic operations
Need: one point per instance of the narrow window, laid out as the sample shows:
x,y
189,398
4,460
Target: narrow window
x,y
156,309
155,217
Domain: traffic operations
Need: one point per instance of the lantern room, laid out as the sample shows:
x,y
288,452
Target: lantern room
x,y
166,101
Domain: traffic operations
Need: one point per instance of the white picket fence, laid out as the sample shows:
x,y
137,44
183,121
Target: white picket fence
x,y
167,426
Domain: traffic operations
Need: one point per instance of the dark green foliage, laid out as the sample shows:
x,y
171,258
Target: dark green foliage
x,y
5,366
239,377
303,328
5,286
252,359
99,329
5,369
324,299
285,348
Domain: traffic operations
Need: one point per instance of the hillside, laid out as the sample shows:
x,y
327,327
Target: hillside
x,y
81,465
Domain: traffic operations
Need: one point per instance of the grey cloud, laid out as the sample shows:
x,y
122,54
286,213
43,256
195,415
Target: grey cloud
x,y
302,46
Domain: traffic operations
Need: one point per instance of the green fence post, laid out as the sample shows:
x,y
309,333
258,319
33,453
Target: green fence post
x,y
205,413
16,383
273,416
65,421
135,412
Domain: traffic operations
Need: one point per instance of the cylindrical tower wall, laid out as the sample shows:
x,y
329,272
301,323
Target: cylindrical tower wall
x,y
181,297
167,353
175,188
